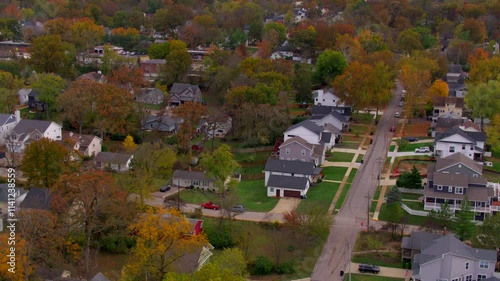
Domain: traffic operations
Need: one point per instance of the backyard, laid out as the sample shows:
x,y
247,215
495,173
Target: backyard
x,y
413,220
416,128
363,118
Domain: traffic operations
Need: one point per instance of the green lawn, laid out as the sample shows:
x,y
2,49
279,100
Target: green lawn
x,y
381,259
358,130
392,148
353,173
250,170
151,106
410,196
342,196
348,144
363,118
413,220
252,157
321,194
334,173
197,196
496,163
413,146
360,157
369,277
419,206
253,195
341,157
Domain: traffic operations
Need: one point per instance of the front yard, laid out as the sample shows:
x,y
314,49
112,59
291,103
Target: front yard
x,y
392,259
334,173
413,146
363,118
320,195
341,157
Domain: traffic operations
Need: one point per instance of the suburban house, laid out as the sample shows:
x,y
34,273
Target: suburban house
x,y
297,148
27,131
117,162
181,93
4,198
444,123
468,142
455,78
7,123
87,145
218,128
196,179
152,68
289,178
34,103
444,257
447,105
150,96
326,97
311,133
36,198
322,110
300,14
97,77
24,95
333,118
453,178
161,123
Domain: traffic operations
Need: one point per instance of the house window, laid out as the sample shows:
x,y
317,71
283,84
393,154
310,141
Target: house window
x,y
271,189
205,183
287,151
452,149
468,278
13,136
481,277
440,187
450,188
484,264
196,183
475,175
467,265
455,279
441,279
303,152
463,146
471,147
37,136
459,190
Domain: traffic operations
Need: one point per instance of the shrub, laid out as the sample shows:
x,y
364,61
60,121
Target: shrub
x,y
261,266
221,238
116,244
286,268
198,213
249,158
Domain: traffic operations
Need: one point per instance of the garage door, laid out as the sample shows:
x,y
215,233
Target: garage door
x,y
292,193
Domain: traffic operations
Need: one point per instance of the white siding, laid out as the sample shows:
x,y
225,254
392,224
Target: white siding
x,y
302,132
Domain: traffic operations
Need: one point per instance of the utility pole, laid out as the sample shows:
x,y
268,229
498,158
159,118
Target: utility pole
x,y
178,196
368,197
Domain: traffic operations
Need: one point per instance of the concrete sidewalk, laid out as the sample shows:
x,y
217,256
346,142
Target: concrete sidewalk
x,y
384,271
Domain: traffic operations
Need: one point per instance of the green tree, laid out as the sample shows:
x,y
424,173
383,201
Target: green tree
x,y
439,220
302,83
394,196
486,235
49,86
329,65
493,133
463,224
412,179
275,33
235,38
220,165
50,54
304,39
484,99
255,31
409,40
44,162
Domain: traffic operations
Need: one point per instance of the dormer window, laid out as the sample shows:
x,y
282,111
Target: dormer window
x,y
37,136
13,136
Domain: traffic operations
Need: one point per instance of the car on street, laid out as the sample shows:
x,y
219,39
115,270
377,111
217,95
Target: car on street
x,y
400,103
392,129
423,149
397,115
210,205
368,268
238,209
412,139
165,188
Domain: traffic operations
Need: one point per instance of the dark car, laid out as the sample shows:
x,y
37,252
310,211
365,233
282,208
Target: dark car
x,y
368,268
238,209
392,129
412,139
165,188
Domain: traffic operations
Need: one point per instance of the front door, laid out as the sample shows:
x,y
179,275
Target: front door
x,y
278,192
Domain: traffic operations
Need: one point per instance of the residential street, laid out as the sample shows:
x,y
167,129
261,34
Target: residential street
x,y
353,216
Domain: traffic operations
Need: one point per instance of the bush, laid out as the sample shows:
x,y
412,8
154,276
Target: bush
x,y
249,158
261,266
286,268
198,213
299,119
221,239
116,244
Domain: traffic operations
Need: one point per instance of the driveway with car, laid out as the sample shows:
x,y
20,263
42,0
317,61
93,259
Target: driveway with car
x,y
384,271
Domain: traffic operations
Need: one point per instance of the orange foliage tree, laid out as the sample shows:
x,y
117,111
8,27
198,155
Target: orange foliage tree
x,y
191,113
13,268
438,89
416,81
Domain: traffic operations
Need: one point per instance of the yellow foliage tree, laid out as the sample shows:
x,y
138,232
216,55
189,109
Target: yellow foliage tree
x,y
163,237
416,81
438,89
129,144
14,265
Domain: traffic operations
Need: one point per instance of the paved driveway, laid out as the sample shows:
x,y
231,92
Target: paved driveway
x,y
384,271
285,205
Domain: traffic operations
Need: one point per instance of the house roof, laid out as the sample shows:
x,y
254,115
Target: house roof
x,y
334,130
469,124
294,166
339,116
442,101
111,157
309,125
99,277
37,198
93,76
178,88
318,151
447,122
458,158
149,91
165,119
4,194
299,140
26,126
299,183
192,175
322,110
6,119
473,194
83,140
451,179
416,239
455,68
470,136
492,278
326,137
33,93
154,61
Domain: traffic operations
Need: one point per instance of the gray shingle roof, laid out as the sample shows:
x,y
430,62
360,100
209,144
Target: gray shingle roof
x,y
326,137
492,278
339,116
309,125
299,183
37,198
322,110
442,101
4,194
26,126
294,167
458,158
481,194
111,157
454,131
99,277
191,175
178,88
298,140
415,240
6,119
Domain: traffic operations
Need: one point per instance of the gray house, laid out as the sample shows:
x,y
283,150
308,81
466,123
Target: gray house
x,y
181,93
163,123
297,148
438,257
196,179
118,162
149,96
36,198
453,178
322,110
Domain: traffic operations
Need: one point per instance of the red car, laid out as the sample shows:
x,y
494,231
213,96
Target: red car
x,y
210,205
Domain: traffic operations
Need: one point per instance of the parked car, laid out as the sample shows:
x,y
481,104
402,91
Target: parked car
x,y
238,209
400,103
165,188
397,115
392,129
412,139
423,149
210,205
368,268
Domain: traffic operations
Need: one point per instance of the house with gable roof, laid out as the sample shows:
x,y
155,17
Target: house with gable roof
x,y
118,162
149,96
161,123
7,123
311,133
333,118
447,105
181,93
455,78
468,142
444,257
297,148
326,97
322,110
453,178
27,131
86,145
94,76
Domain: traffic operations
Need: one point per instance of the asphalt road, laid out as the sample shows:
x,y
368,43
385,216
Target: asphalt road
x,y
353,216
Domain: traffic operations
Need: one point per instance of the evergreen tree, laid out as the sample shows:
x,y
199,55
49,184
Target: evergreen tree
x,y
464,226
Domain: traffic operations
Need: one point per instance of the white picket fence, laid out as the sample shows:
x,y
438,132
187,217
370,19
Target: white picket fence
x,y
413,191
414,212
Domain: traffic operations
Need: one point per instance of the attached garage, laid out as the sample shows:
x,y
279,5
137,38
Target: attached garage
x,y
287,186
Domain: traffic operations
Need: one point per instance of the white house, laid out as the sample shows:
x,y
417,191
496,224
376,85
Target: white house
x,y
469,143
326,97
334,118
23,95
7,123
117,162
27,131
311,133
87,145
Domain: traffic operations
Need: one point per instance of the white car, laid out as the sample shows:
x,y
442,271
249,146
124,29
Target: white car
x,y
423,149
396,115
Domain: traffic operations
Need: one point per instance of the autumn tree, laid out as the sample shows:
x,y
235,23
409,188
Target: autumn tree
x,y
275,33
479,54
350,47
85,34
50,54
191,113
416,82
304,39
355,86
112,60
329,65
22,270
409,40
49,86
44,162
129,144
9,88
493,133
127,77
483,99
383,83
76,103
475,29
438,89
220,165
163,238
485,70
371,42
92,204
